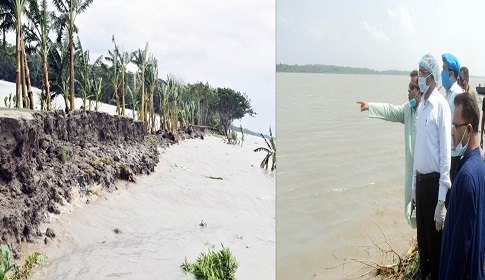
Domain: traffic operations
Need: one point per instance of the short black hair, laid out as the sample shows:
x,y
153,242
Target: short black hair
x,y
465,72
469,112
413,74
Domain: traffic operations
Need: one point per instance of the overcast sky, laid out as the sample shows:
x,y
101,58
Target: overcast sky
x,y
224,43
380,35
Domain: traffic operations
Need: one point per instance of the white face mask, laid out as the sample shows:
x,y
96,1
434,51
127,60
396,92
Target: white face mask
x,y
422,84
460,149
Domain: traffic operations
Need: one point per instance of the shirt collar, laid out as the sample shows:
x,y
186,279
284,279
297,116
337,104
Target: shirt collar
x,y
473,152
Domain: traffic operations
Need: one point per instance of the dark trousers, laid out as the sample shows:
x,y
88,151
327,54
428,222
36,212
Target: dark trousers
x,y
429,239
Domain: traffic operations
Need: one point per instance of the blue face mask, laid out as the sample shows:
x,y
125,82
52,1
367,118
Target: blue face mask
x,y
460,149
445,77
423,87
412,102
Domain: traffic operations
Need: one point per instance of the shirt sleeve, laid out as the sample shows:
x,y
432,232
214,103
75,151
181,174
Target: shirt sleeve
x,y
444,132
459,230
483,104
386,111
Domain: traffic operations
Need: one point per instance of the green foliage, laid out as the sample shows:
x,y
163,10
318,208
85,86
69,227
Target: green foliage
x,y
202,224
152,140
65,154
108,161
232,105
213,265
19,272
10,100
117,230
4,261
270,151
232,137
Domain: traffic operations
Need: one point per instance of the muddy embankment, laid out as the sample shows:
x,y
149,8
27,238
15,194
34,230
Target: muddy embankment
x,y
46,157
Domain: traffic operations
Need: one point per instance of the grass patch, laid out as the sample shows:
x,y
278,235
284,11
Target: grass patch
x,y
117,230
213,265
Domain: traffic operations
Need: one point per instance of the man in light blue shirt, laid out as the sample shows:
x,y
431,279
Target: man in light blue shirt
x,y
449,76
407,115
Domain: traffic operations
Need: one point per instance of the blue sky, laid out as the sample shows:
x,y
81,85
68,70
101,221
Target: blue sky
x,y
380,35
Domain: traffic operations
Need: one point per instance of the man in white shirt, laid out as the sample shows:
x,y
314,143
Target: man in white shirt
x,y
449,76
431,170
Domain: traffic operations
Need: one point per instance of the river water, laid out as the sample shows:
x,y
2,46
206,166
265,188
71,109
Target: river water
x,y
160,218
340,175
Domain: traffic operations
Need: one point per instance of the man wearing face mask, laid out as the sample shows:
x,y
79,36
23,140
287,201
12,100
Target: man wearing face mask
x,y
463,82
431,168
406,114
463,245
449,75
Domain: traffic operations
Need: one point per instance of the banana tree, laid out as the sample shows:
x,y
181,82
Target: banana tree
x,y
140,60
37,34
124,59
113,74
270,151
152,85
69,10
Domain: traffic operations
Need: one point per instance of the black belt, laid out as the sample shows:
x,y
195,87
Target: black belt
x,y
426,177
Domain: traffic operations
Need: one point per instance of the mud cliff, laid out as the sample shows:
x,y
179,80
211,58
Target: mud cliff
x,y
45,156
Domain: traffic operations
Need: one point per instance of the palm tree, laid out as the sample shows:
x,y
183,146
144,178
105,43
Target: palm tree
x,y
38,32
140,60
59,76
271,151
69,9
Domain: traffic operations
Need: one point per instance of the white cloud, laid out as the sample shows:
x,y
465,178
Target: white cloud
x,y
403,18
377,34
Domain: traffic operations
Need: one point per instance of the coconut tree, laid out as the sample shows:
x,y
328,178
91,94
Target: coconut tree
x,y
140,60
69,9
37,34
270,151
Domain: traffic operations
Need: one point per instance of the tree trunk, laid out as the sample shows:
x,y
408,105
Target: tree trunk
x,y
17,70
46,84
123,93
27,77
71,70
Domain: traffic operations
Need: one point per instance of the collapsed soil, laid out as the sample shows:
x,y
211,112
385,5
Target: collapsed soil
x,y
46,157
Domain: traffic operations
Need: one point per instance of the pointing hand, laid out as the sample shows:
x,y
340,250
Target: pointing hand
x,y
364,106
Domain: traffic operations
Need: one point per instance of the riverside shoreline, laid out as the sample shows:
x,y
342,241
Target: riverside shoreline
x,y
46,157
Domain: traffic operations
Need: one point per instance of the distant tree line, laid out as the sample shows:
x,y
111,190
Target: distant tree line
x,y
48,54
333,69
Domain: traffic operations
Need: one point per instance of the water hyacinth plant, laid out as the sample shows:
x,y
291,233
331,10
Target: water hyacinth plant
x,y
213,265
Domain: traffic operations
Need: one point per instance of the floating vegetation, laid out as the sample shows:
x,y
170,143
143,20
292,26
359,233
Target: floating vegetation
x,y
215,178
213,265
